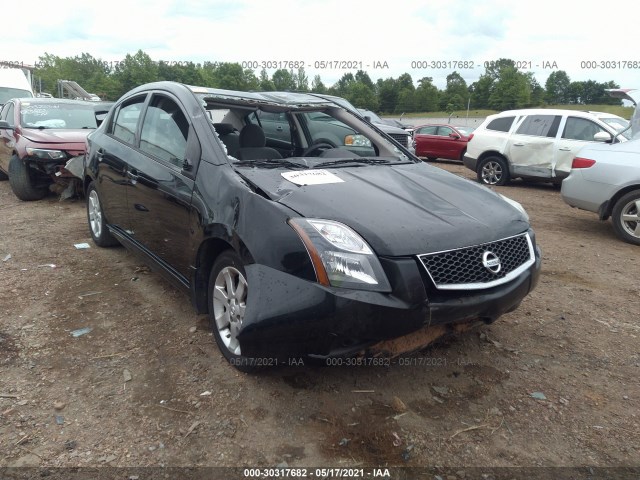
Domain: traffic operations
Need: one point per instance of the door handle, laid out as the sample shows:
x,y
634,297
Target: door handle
x,y
518,144
132,174
279,129
564,149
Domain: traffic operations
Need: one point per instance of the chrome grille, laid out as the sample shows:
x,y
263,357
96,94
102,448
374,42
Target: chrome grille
x,y
400,138
463,269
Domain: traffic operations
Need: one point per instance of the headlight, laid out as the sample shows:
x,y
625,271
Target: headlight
x,y
357,141
515,204
340,256
46,154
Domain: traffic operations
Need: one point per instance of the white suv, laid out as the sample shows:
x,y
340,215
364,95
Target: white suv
x,y
536,143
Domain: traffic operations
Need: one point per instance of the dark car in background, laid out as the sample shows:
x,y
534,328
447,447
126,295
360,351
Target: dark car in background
x,y
441,141
38,136
298,248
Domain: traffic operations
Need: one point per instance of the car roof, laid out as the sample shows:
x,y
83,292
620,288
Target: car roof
x,y
290,100
556,111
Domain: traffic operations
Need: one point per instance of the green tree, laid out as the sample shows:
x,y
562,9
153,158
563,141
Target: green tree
x,y
302,81
135,70
387,94
537,91
317,86
427,95
512,90
456,92
265,83
481,91
283,80
557,87
362,96
343,85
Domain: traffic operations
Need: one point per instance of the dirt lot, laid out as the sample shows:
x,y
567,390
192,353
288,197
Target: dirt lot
x,y
148,387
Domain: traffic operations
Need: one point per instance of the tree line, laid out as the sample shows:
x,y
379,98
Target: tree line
x,y
501,87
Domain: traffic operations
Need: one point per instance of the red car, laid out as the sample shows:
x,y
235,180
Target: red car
x,y
37,138
441,141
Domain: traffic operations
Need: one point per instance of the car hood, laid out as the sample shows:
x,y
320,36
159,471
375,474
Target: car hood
x,y
400,210
52,135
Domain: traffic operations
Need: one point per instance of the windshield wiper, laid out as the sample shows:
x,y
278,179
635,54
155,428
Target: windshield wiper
x,y
357,161
269,163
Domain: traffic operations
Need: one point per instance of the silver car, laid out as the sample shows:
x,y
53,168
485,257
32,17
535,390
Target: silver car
x,y
605,179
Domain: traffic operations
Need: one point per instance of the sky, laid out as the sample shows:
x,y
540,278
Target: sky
x,y
587,40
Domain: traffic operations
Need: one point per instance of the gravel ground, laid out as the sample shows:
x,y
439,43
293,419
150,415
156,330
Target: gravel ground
x,y
554,383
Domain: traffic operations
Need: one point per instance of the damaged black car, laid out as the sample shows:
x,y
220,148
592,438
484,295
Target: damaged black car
x,y
321,236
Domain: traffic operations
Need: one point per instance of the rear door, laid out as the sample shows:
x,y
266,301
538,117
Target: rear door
x,y
426,139
110,152
531,147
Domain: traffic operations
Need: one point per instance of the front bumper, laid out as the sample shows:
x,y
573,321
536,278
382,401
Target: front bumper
x,y
288,316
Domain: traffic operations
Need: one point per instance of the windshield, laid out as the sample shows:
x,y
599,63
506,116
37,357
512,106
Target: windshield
x,y
374,118
58,115
7,94
618,124
279,136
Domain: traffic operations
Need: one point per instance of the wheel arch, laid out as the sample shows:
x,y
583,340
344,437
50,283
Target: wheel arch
x,y
208,251
492,153
607,207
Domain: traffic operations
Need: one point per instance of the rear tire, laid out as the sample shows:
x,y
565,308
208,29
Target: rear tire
x,y
493,171
97,222
22,181
626,217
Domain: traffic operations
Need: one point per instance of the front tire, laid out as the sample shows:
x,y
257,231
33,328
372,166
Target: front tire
x,y
228,291
22,181
493,171
97,222
626,217
3,176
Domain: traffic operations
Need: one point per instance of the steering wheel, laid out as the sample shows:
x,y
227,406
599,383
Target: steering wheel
x,y
317,148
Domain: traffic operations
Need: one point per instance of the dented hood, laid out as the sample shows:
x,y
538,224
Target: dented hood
x,y
400,210
52,135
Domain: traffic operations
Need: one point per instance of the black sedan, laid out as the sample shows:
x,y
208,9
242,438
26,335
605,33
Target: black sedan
x,y
293,244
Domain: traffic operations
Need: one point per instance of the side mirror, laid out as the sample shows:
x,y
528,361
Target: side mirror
x,y
367,118
602,137
454,136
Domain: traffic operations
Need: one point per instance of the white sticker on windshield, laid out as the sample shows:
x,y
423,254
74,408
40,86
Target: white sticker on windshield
x,y
312,177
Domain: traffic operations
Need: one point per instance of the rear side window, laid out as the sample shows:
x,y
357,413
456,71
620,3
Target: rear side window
x,y
540,125
502,124
126,121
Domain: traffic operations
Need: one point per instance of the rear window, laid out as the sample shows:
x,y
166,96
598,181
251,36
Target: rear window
x,y
502,124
